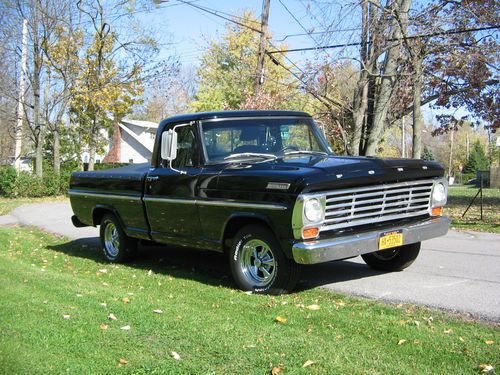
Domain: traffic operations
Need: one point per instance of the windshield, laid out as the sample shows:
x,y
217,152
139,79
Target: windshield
x,y
261,139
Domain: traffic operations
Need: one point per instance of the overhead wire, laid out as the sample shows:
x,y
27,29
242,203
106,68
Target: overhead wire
x,y
418,36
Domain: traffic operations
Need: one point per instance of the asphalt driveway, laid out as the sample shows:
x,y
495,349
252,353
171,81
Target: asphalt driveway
x,y
459,272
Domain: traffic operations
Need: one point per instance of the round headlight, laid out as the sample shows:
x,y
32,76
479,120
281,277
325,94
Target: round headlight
x,y
313,210
439,195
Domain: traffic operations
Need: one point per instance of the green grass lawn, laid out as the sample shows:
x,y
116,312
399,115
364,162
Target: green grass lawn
x,y
57,296
8,204
459,198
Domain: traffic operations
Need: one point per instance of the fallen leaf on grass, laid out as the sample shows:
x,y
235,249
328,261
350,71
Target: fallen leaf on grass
x,y
401,342
313,307
125,328
280,319
308,363
448,331
175,356
276,370
158,311
461,339
111,316
126,300
486,368
489,342
103,326
123,361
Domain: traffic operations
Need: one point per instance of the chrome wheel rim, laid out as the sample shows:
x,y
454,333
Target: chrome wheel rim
x,y
111,240
258,263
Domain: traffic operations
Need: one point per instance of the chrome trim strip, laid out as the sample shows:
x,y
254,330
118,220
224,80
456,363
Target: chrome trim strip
x,y
352,245
265,206
84,193
220,119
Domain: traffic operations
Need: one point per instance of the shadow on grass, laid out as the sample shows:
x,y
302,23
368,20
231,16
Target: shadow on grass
x,y
209,267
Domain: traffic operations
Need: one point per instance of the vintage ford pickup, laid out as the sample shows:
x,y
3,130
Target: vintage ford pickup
x,y
264,188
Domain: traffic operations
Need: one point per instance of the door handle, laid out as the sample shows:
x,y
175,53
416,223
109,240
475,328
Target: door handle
x,y
153,178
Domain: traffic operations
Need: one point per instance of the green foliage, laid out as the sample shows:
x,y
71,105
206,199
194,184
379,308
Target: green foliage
x,y
31,186
477,159
7,180
427,154
28,185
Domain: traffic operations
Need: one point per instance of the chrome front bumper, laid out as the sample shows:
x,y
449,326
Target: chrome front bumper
x,y
348,246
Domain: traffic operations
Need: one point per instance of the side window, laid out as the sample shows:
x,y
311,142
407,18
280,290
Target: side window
x,y
187,150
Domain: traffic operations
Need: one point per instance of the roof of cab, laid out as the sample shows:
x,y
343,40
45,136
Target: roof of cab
x,y
225,114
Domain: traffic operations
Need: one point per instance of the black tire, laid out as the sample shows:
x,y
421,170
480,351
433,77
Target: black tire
x,y
396,259
116,246
259,265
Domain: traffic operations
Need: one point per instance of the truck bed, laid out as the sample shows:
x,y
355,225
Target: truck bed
x,y
121,189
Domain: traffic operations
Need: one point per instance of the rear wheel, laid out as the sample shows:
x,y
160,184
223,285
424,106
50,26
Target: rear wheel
x,y
396,259
116,245
259,265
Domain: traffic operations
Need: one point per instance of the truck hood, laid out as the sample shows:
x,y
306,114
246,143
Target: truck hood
x,y
313,173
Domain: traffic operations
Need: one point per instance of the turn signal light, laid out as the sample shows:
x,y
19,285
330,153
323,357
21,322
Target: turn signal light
x,y
310,233
437,211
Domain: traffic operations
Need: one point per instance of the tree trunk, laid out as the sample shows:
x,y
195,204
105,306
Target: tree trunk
x,y
92,145
417,110
37,68
389,70
56,149
360,102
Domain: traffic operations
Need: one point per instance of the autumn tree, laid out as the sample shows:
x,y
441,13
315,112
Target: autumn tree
x,y
227,69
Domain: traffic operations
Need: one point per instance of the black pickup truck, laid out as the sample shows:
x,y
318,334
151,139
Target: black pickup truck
x,y
265,188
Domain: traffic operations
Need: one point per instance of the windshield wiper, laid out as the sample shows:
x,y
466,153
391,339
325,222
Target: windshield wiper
x,y
305,152
250,155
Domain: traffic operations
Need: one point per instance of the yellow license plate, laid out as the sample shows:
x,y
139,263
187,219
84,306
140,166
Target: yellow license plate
x,y
389,240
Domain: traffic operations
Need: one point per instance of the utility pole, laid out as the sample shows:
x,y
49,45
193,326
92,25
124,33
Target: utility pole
x,y
259,74
20,103
403,140
450,168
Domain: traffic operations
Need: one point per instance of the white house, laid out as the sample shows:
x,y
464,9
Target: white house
x,y
132,141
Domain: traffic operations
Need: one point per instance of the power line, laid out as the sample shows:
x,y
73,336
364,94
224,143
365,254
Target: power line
x,y
419,36
317,32
299,23
217,14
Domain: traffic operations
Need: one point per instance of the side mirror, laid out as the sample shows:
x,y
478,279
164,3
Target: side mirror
x,y
169,145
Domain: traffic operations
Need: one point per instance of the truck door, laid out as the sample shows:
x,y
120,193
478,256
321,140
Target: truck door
x,y
170,197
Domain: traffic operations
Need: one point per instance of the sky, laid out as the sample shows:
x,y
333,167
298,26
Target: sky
x,y
190,29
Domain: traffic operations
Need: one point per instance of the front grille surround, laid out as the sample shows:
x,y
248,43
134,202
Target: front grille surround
x,y
347,208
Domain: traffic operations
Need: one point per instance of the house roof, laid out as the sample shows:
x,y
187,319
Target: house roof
x,y
134,136
140,123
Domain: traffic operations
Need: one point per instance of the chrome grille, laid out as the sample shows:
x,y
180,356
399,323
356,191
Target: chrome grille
x,y
375,204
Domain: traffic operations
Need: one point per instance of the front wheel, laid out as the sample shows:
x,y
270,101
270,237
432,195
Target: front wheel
x,y
258,263
396,259
116,246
